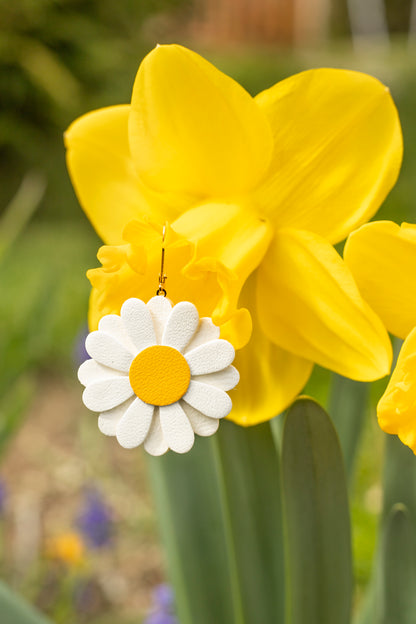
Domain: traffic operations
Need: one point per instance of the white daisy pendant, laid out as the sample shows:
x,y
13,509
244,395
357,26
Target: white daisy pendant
x,y
158,375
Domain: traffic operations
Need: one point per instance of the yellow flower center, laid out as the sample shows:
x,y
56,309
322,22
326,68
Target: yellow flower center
x,y
159,375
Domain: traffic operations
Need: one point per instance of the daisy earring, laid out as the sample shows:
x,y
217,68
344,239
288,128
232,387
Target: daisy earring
x,y
158,374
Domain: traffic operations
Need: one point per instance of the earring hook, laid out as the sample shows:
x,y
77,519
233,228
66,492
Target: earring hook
x,y
162,275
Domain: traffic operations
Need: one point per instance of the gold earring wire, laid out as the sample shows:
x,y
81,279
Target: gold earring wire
x,y
162,275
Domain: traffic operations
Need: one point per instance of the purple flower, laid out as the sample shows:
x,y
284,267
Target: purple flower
x,y
95,521
159,617
163,610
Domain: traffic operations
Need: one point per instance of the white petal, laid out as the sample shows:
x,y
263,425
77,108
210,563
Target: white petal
x,y
91,371
206,332
176,428
101,396
209,400
138,323
181,325
135,424
108,351
155,442
113,325
225,379
108,421
160,308
202,425
210,357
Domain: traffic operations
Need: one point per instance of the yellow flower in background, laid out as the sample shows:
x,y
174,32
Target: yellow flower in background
x,y
68,548
256,191
382,258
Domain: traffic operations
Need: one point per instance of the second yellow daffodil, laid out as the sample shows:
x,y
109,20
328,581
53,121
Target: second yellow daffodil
x,y
382,258
256,191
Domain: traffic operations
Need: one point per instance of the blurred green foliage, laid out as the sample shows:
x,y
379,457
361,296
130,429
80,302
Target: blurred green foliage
x,y
59,59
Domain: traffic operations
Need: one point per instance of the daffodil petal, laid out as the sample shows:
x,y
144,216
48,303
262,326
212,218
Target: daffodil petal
x,y
102,171
231,240
382,258
270,378
396,410
309,304
337,150
194,129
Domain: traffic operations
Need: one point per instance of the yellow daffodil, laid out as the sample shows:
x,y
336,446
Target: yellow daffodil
x,y
256,191
382,257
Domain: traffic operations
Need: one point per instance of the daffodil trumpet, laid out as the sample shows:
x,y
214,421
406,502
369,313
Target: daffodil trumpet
x,y
256,192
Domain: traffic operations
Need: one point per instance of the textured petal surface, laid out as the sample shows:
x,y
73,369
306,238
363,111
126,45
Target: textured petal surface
x,y
160,308
194,129
113,325
209,400
206,331
138,322
382,258
396,410
91,371
338,150
202,425
210,357
108,421
177,430
270,378
102,171
101,396
135,424
108,351
309,304
155,443
181,325
224,379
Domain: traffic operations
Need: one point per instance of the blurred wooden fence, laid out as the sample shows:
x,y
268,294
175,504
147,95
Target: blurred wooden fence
x,y
286,22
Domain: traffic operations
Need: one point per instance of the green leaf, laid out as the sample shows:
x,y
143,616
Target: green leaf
x,y
397,598
15,610
249,467
220,515
319,570
188,506
399,488
399,479
347,406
